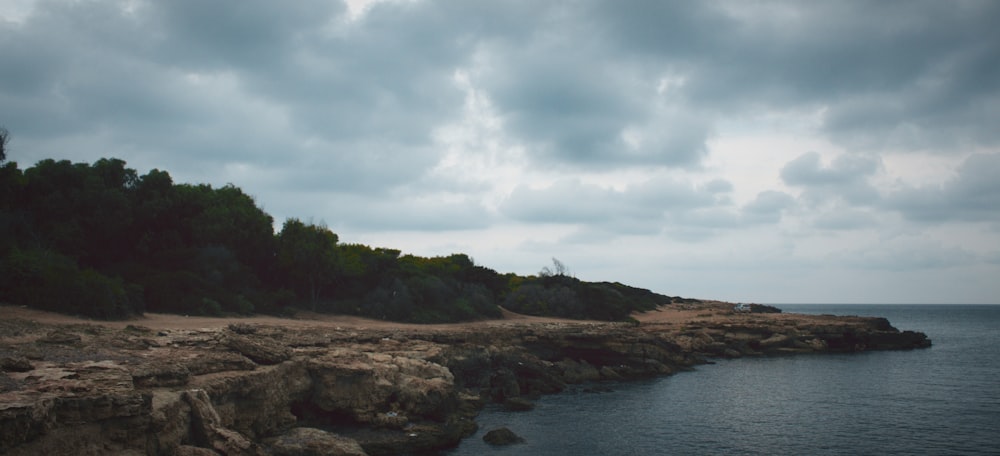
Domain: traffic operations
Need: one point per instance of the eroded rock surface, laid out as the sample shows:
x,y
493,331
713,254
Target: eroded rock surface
x,y
249,390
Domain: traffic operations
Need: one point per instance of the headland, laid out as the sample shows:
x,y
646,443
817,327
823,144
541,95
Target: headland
x,y
320,384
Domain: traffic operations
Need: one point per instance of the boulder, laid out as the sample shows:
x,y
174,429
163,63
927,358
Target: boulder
x,y
502,436
578,372
15,364
362,384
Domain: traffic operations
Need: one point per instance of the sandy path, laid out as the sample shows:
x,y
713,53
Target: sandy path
x,y
709,311
301,320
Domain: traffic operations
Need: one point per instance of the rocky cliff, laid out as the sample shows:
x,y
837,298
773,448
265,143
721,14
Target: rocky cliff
x,y
269,389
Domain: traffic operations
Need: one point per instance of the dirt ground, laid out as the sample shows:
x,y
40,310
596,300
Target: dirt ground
x,y
666,314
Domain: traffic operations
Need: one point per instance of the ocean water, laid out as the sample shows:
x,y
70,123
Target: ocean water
x,y
944,400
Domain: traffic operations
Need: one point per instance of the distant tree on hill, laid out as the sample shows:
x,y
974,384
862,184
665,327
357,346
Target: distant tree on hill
x,y
558,269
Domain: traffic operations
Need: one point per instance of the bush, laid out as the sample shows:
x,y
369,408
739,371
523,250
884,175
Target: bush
x,y
210,307
46,280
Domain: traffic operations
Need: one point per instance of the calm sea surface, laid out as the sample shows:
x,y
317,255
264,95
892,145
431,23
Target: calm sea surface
x,y
938,401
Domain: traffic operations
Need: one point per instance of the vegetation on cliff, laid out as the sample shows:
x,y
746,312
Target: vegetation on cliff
x,y
101,240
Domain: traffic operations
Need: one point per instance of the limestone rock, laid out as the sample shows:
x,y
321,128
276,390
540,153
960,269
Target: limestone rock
x,y
89,390
362,385
160,374
258,403
207,362
260,350
391,420
208,432
315,442
59,401
188,450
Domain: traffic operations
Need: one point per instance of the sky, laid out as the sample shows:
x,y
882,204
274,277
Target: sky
x,y
749,151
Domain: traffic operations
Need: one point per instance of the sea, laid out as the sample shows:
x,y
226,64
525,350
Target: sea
x,y
944,400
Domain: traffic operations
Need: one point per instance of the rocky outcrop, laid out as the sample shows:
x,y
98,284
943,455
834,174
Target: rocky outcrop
x,y
502,436
314,442
753,335
249,390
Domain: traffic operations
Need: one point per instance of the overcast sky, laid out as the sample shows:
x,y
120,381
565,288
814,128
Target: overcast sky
x,y
763,151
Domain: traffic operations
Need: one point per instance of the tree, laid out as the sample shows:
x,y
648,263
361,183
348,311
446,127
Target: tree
x,y
307,257
558,269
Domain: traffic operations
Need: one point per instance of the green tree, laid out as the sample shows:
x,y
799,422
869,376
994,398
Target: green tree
x,y
231,218
81,210
307,258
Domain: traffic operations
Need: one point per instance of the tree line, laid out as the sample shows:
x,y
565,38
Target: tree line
x,y
100,240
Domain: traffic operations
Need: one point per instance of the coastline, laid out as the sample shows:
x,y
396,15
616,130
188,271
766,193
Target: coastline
x,y
248,386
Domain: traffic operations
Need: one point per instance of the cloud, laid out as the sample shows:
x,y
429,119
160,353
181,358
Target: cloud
x,y
845,218
216,35
594,123
767,207
610,114
906,253
911,74
572,201
675,207
972,195
846,177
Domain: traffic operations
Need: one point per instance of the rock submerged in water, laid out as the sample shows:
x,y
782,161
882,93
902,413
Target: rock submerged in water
x,y
518,404
502,436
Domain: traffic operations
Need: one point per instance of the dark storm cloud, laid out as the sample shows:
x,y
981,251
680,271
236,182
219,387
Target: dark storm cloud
x,y
252,34
568,77
309,101
205,84
573,99
923,70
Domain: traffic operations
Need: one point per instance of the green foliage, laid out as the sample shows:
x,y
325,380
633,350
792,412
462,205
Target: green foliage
x,y
556,294
308,258
47,280
101,240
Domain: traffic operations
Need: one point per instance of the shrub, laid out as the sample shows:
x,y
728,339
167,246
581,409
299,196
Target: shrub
x,y
46,280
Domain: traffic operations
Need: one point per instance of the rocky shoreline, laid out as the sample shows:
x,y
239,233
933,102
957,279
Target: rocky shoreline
x,y
243,388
